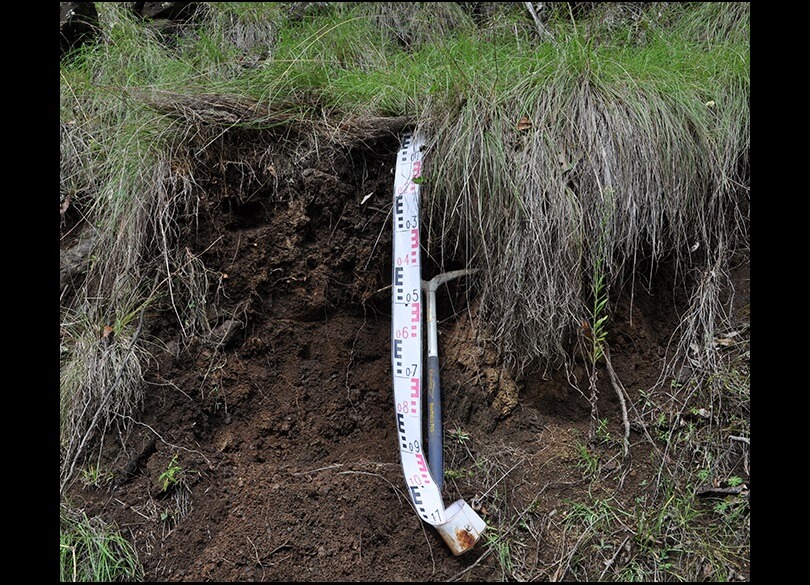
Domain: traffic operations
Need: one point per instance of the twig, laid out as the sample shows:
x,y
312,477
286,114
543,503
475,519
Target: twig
x,y
274,551
396,490
499,480
165,442
609,563
560,572
333,466
129,507
434,283
379,235
617,386
709,490
430,548
72,549
747,441
256,551
279,547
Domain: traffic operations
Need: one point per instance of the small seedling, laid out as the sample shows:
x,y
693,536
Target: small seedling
x,y
459,436
587,461
501,546
94,476
173,474
602,432
457,473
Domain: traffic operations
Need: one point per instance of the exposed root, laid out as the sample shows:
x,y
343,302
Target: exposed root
x,y
620,392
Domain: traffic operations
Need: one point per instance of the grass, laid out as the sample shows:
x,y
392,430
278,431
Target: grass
x,y
558,162
95,476
677,531
172,474
658,174
673,538
91,550
101,386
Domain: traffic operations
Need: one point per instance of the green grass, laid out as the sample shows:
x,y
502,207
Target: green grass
x,y
91,550
669,537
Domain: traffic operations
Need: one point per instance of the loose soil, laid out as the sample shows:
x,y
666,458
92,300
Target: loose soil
x,y
282,420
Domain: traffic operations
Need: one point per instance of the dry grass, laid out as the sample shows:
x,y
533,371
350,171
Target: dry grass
x,y
101,385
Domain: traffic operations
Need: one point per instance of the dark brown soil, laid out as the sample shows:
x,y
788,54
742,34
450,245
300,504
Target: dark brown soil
x,y
283,420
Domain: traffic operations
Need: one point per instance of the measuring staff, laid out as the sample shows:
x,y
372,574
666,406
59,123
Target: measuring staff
x,y
458,524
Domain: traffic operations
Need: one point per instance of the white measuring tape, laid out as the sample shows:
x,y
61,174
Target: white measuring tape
x,y
459,525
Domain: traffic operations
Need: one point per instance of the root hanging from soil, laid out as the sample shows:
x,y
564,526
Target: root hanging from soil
x,y
620,392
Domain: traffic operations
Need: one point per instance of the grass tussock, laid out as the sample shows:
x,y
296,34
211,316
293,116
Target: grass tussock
x,y
91,550
528,182
100,382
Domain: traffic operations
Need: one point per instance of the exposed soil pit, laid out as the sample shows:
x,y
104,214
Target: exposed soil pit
x,y
282,418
